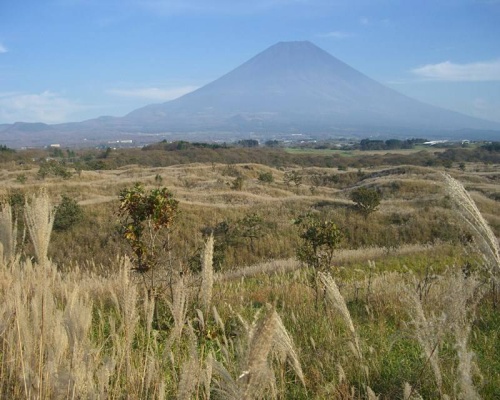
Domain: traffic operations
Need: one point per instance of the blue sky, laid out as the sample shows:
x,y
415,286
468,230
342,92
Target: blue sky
x,y
70,60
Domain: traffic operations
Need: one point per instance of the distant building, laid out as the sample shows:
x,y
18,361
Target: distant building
x,y
434,142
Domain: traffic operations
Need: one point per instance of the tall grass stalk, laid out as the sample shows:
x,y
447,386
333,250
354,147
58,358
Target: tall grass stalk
x,y
336,300
267,339
207,274
178,308
466,357
448,314
39,215
429,334
485,238
130,316
191,370
8,233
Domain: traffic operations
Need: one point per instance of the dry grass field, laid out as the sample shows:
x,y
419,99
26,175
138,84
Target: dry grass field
x,y
407,308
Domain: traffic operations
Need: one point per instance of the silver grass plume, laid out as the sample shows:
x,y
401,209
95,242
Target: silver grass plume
x,y
371,394
429,333
191,369
465,363
485,238
8,233
178,307
39,215
336,300
129,314
460,296
456,299
255,376
410,393
207,274
77,321
267,338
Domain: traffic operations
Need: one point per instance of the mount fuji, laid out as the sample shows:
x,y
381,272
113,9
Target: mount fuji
x,y
291,87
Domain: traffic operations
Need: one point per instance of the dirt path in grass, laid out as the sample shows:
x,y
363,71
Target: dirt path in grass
x,y
341,257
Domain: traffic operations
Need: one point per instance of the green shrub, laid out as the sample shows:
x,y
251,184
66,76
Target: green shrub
x,y
367,200
237,183
21,178
266,177
146,221
68,214
53,168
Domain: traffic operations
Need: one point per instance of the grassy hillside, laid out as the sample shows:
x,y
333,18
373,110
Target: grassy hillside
x,y
407,307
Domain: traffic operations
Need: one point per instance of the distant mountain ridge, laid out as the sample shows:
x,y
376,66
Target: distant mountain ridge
x,y
289,87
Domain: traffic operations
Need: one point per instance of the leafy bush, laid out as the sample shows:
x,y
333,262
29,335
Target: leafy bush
x,y
320,238
292,177
68,214
146,221
238,183
53,168
22,178
266,177
367,200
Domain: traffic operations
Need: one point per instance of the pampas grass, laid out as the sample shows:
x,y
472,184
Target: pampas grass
x,y
429,333
484,236
178,308
39,214
8,233
455,298
207,274
267,339
336,300
73,333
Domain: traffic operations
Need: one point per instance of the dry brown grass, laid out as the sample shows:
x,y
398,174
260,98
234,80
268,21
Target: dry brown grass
x,y
93,332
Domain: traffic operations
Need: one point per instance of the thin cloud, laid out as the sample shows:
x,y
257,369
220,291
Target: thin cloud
x,y
153,93
472,72
48,107
364,21
176,7
336,35
3,49
219,7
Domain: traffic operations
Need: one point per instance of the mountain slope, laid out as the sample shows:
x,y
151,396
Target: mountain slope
x,y
290,87
297,84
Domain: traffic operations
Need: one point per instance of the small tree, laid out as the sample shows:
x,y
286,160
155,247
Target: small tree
x,y
250,227
367,200
53,168
68,213
238,183
147,218
266,177
292,177
319,238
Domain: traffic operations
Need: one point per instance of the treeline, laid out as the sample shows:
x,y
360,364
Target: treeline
x,y
390,144
164,154
183,145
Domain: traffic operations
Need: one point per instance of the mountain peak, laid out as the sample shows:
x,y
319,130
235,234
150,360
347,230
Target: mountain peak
x,y
295,44
297,85
290,87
